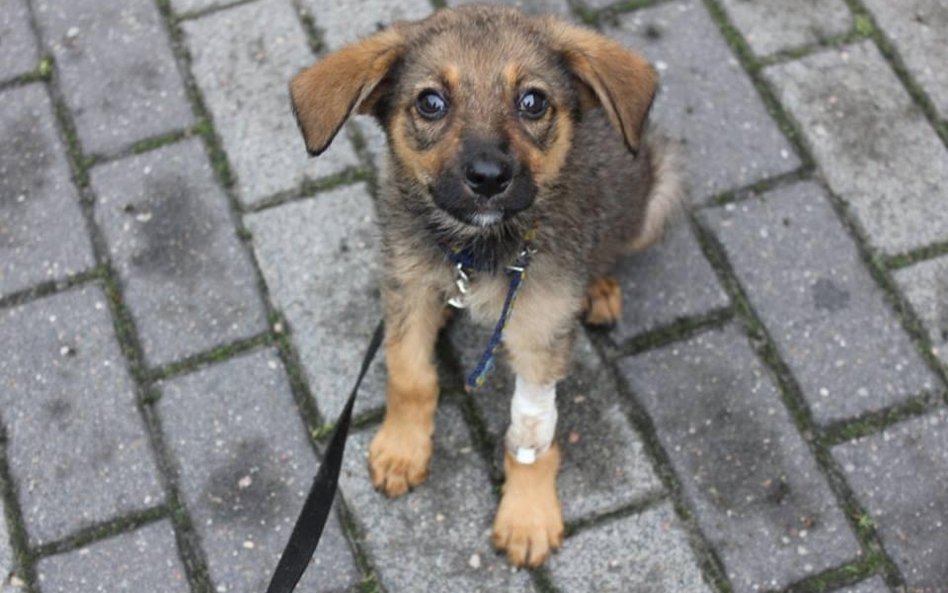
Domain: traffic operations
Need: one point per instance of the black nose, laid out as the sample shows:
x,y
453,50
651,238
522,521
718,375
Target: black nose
x,y
487,176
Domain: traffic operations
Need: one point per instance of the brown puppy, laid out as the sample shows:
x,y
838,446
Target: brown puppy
x,y
502,129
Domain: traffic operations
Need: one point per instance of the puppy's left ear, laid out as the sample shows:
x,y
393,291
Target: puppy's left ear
x,y
326,93
619,80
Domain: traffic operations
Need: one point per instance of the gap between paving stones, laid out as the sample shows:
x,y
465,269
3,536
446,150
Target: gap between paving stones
x,y
880,274
79,167
710,564
766,350
280,332
892,56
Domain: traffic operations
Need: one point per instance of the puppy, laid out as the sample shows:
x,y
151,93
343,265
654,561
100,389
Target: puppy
x,y
516,142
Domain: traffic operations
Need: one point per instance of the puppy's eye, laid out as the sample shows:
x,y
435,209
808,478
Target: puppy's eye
x,y
532,104
431,105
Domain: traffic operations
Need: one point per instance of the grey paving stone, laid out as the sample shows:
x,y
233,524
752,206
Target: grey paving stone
x,y
918,29
245,468
344,21
116,69
757,492
873,585
557,7
142,560
437,537
773,25
243,59
705,99
644,552
900,477
926,287
18,51
189,6
804,277
672,280
188,281
875,147
77,447
318,257
42,231
604,464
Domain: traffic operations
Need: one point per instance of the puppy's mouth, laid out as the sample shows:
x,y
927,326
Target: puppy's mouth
x,y
471,209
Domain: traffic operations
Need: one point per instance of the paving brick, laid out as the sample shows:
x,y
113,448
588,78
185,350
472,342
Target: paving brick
x,y
926,287
18,52
873,585
604,464
437,537
900,477
142,560
188,281
757,493
804,277
670,281
77,447
243,59
705,99
773,25
874,145
644,552
318,257
116,70
42,232
917,29
245,468
344,21
558,7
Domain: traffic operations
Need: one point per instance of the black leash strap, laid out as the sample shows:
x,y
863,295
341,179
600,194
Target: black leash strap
x,y
309,527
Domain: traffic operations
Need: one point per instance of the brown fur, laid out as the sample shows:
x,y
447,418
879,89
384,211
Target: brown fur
x,y
585,176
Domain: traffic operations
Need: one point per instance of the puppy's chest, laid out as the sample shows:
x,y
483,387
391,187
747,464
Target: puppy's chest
x,y
481,293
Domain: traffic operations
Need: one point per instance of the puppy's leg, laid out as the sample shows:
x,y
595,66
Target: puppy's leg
x,y
401,450
603,305
529,522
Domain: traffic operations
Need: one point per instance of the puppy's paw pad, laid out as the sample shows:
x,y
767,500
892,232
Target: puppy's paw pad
x,y
603,302
398,459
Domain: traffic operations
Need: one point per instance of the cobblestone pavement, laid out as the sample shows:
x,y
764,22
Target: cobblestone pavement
x,y
184,297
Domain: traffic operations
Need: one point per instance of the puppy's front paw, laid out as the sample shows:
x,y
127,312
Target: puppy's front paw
x,y
399,456
603,301
529,522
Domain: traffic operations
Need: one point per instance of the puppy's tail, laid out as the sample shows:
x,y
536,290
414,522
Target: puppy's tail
x,y
666,199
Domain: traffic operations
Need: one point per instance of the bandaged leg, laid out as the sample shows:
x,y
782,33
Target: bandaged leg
x,y
532,420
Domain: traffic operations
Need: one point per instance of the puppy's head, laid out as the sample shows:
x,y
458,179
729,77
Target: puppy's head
x,y
479,104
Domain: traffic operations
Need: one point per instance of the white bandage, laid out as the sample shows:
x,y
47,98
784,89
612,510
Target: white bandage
x,y
532,420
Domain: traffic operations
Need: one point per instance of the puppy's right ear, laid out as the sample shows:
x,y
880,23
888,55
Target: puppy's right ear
x,y
326,93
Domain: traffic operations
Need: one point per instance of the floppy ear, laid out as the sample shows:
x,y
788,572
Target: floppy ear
x,y
326,93
621,81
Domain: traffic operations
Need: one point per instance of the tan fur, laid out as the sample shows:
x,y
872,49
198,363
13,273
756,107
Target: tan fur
x,y
591,184
529,522
325,94
401,450
603,301
623,82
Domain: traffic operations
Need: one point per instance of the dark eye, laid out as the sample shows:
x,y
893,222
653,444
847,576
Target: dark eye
x,y
532,104
431,105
